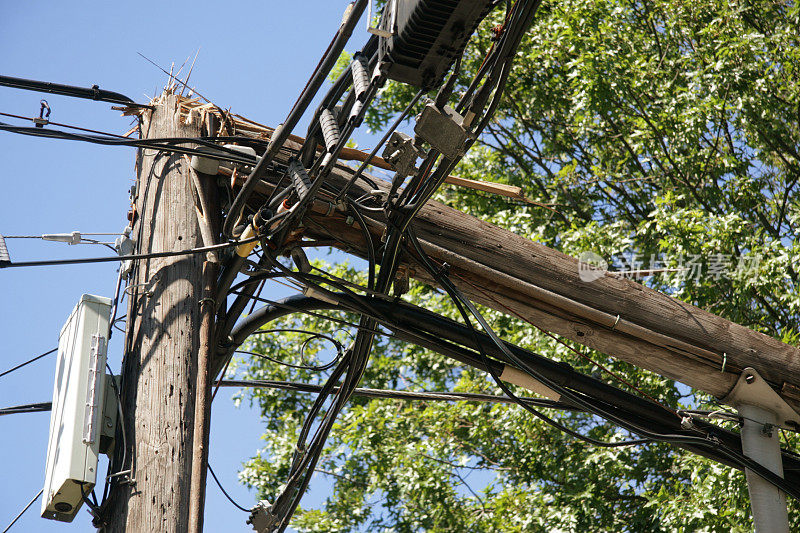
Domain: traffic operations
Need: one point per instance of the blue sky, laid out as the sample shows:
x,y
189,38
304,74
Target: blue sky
x,y
254,58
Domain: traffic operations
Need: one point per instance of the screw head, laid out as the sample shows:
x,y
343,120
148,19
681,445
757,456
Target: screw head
x,y
749,378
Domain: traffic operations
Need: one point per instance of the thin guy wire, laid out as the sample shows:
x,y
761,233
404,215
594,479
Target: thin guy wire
x,y
28,362
23,511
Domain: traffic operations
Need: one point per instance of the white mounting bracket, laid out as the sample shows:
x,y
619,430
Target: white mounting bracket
x,y
751,389
762,410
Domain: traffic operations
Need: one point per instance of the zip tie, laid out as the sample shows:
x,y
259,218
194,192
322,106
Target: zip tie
x,y
615,323
724,361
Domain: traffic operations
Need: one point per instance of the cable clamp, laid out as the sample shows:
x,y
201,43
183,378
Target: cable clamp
x,y
43,119
443,270
212,301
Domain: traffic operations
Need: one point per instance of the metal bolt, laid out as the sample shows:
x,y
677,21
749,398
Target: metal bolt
x,y
749,378
349,220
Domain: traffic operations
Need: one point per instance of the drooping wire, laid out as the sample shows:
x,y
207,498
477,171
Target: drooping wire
x,y
426,396
314,335
241,508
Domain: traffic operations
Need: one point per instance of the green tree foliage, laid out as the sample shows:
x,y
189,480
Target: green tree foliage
x,y
664,130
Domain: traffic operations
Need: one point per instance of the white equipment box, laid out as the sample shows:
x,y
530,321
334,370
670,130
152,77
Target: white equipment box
x,y
78,403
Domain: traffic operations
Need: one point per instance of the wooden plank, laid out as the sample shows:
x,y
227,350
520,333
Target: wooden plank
x,y
653,330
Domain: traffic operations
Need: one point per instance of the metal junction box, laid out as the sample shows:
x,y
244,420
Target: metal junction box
x,y
426,37
77,420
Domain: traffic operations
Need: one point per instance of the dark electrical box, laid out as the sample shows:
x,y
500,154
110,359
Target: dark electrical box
x,y
426,37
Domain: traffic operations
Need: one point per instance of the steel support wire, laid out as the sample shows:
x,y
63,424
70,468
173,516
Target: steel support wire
x,y
283,131
723,446
90,93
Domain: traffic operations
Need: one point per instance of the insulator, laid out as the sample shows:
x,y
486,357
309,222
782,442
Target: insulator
x,y
330,129
4,257
360,78
300,178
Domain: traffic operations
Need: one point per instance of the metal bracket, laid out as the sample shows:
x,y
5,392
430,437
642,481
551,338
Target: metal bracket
x,y
761,410
402,154
443,129
751,389
44,118
96,358
125,246
379,30
261,517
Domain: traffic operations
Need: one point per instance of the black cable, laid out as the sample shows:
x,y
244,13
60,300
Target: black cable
x,y
27,408
440,276
163,145
314,335
10,370
89,93
634,404
370,246
448,396
706,441
41,491
224,491
56,262
282,132
123,433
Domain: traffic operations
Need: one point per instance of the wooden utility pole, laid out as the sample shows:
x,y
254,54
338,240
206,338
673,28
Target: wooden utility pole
x,y
159,373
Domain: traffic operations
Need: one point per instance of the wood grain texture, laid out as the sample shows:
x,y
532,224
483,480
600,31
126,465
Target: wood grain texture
x,y
614,315
159,370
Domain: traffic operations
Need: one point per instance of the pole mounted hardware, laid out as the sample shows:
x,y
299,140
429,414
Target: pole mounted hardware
x,y
44,118
402,154
763,412
262,520
83,418
421,39
444,130
5,259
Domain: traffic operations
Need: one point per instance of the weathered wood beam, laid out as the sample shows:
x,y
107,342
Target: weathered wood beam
x,y
611,314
